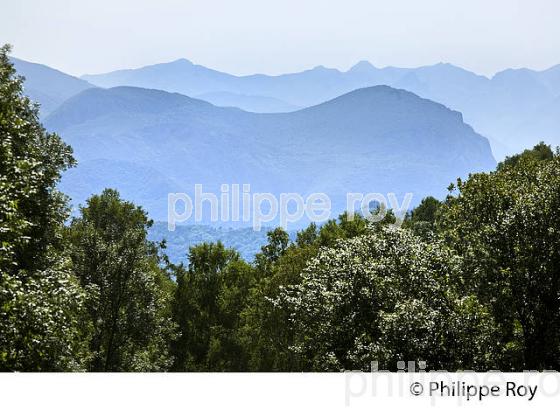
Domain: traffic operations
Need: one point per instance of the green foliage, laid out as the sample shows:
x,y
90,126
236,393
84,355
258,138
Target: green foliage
x,y
226,350
540,152
39,297
426,211
345,227
506,226
128,294
422,219
266,332
383,296
471,283
278,240
206,306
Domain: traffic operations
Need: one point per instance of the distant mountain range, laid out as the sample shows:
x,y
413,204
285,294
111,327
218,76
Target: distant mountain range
x,y
251,103
147,143
145,139
48,86
514,109
502,108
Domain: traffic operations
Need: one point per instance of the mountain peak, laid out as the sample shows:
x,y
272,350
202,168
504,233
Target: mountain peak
x,y
450,69
181,61
323,68
362,65
513,73
449,66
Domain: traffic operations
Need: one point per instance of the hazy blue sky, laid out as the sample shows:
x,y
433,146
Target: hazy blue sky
x,y
248,36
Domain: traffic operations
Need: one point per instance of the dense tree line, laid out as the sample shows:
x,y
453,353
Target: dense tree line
x,y
471,282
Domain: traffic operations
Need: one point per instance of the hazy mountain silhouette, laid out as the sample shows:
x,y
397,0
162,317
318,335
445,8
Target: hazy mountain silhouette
x,y
147,143
497,108
251,103
48,86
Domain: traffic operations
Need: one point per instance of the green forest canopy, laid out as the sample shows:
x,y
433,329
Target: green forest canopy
x,y
471,282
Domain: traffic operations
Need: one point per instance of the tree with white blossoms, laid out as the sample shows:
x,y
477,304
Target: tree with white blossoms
x,y
386,296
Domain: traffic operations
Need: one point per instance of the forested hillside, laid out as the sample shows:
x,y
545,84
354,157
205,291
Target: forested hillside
x,y
470,282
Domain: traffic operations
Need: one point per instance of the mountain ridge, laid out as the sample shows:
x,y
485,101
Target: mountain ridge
x,y
377,139
48,86
495,106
